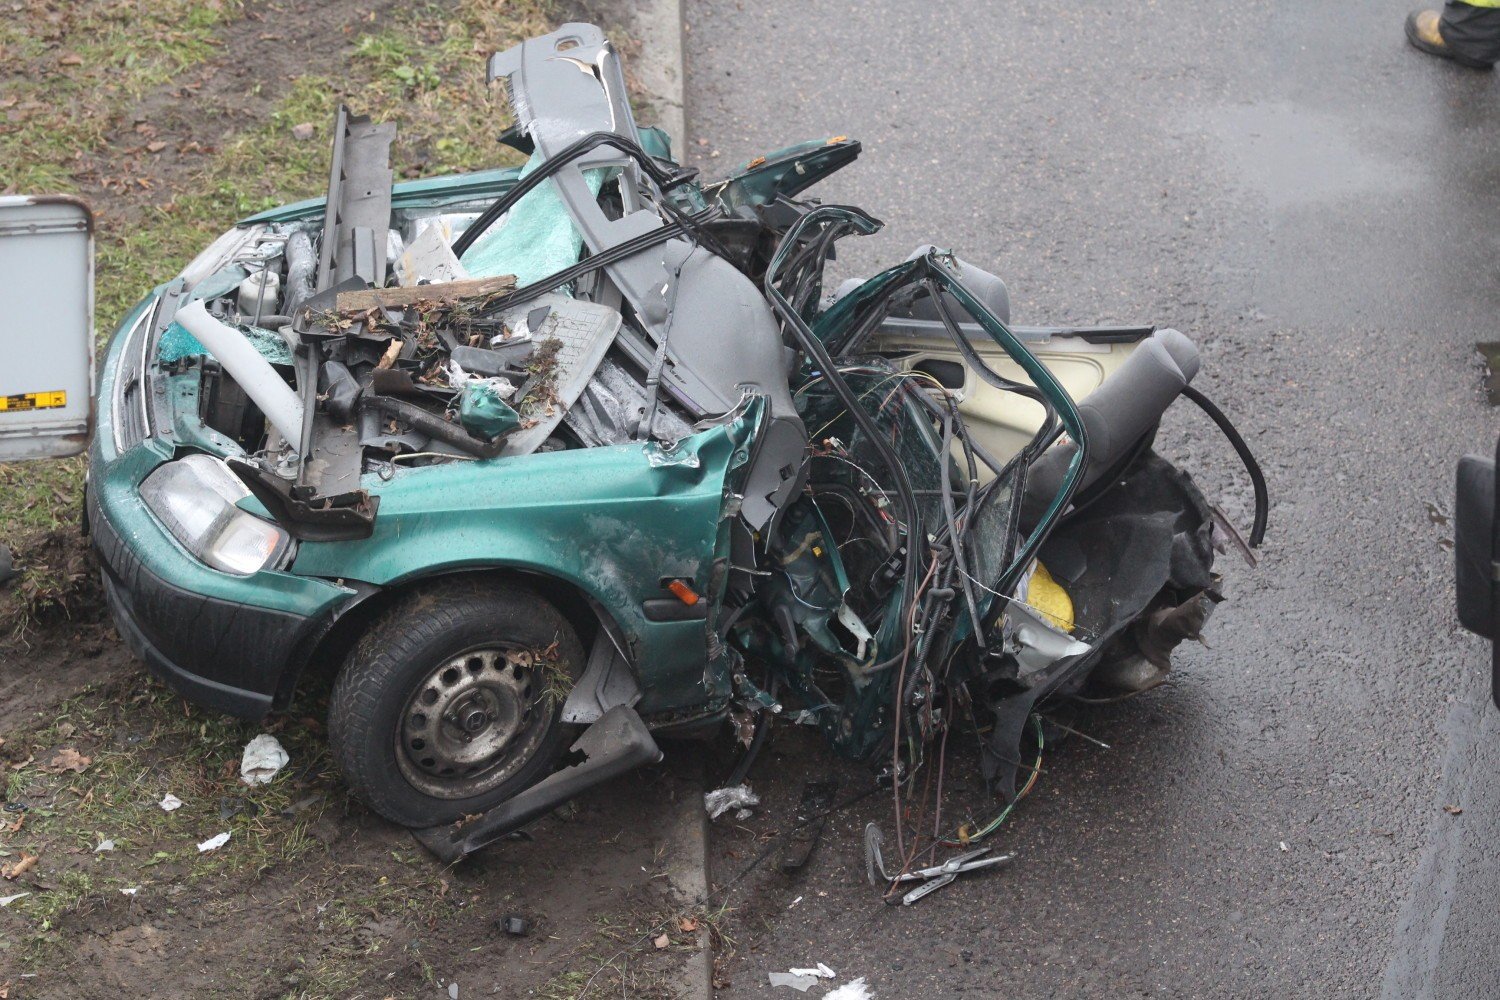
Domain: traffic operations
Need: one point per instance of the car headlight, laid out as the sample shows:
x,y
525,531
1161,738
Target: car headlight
x,y
195,498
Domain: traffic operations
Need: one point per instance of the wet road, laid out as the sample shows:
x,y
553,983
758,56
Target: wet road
x,y
1317,206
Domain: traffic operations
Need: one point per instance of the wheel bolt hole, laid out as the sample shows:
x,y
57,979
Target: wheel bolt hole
x,y
475,664
419,720
428,762
430,696
419,744
451,676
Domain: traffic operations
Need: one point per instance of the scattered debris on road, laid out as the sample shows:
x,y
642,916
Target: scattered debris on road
x,y
263,758
800,983
170,802
855,989
821,971
721,800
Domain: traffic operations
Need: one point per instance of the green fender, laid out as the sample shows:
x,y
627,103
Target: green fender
x,y
614,522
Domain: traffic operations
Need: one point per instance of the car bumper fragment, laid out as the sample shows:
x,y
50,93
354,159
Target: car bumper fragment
x,y
225,655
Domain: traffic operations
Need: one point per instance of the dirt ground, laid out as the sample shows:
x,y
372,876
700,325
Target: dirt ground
x,y
313,896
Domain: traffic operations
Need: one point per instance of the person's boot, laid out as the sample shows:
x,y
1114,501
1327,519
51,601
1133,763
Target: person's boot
x,y
1424,31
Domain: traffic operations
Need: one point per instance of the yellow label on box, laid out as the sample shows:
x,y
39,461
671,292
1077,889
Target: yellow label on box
x,y
34,401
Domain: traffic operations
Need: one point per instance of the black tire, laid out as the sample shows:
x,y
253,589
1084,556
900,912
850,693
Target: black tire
x,y
479,633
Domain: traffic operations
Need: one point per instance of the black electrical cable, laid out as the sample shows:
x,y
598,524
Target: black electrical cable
x,y
602,259
1257,477
950,514
814,348
665,179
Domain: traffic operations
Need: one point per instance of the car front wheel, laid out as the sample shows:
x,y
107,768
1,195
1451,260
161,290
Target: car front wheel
x,y
451,703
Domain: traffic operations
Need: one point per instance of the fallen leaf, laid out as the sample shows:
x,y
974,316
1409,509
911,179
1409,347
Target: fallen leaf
x,y
68,759
70,59
22,763
392,351
661,941
15,871
1454,810
155,147
688,925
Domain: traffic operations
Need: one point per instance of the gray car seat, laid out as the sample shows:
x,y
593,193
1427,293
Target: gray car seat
x,y
1116,416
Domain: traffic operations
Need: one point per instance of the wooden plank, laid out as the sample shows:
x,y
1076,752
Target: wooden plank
x,y
445,291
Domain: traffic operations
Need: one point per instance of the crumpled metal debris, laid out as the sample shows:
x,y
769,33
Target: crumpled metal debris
x,y
721,800
264,756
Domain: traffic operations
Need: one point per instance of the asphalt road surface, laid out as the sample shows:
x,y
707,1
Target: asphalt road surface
x,y
1317,206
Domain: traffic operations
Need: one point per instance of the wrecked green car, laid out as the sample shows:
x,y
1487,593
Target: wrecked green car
x,y
585,453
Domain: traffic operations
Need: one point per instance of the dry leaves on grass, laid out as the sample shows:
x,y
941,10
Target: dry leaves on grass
x,y
15,871
67,759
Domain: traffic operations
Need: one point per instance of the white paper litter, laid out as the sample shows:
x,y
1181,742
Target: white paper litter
x,y
263,757
131,891
105,845
852,990
799,983
721,800
7,900
169,802
822,972
214,843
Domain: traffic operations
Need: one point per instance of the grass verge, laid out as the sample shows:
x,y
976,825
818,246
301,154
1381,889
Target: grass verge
x,y
87,89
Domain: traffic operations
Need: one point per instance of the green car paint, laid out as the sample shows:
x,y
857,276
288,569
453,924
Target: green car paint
x,y
613,522
114,485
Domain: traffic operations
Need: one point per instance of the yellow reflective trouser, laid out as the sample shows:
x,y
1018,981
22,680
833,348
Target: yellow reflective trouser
x,y
1482,3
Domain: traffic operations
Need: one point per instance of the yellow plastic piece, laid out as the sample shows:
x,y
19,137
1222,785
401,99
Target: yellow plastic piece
x,y
1047,596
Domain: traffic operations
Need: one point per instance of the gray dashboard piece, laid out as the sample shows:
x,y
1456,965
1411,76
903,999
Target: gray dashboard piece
x,y
583,332
359,202
723,342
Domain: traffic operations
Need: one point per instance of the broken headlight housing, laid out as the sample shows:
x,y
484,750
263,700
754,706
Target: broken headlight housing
x,y
195,498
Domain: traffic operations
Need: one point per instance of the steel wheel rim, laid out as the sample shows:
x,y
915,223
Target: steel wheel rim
x,y
472,722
